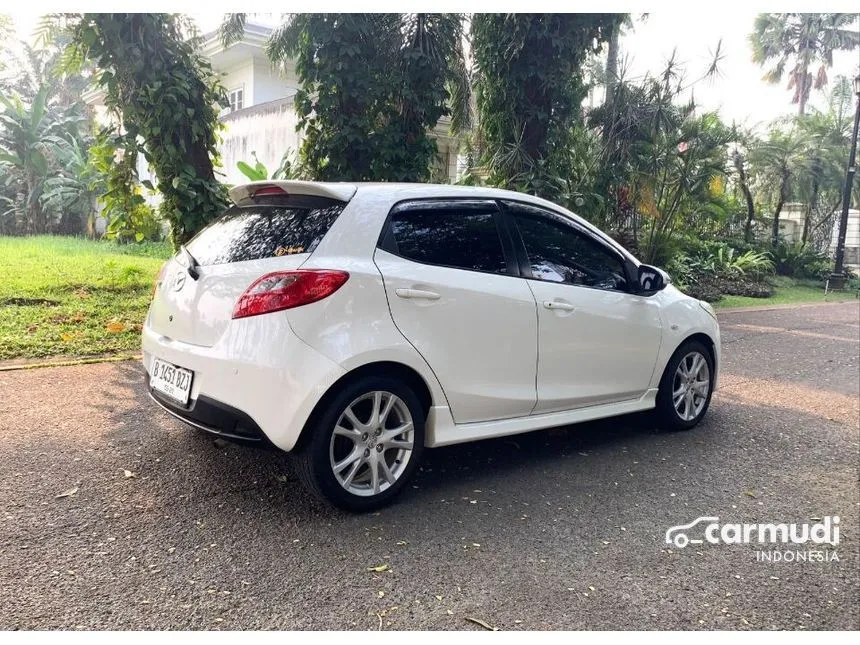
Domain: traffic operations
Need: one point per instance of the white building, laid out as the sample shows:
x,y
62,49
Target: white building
x,y
852,239
261,118
793,216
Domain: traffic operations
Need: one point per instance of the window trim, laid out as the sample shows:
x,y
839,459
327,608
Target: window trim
x,y
485,204
236,91
558,218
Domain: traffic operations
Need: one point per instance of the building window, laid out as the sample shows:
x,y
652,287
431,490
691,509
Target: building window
x,y
237,100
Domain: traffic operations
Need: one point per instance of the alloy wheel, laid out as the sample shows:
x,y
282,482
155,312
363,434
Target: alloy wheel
x,y
372,443
691,386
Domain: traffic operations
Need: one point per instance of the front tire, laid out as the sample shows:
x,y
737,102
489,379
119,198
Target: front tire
x,y
365,446
686,387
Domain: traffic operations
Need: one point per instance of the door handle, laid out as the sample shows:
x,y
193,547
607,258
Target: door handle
x,y
559,306
416,294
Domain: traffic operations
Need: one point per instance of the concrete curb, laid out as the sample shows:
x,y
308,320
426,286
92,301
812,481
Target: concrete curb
x,y
738,310
69,362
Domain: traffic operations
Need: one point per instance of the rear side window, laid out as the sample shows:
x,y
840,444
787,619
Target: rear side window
x,y
265,231
461,238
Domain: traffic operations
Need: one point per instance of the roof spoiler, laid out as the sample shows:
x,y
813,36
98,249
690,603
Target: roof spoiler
x,y
246,192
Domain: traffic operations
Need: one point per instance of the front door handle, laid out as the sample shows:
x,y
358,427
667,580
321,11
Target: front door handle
x,y
416,294
558,306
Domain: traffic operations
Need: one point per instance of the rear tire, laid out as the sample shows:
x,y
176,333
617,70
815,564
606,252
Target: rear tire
x,y
685,389
364,446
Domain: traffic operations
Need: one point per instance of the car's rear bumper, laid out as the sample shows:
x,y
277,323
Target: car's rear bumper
x,y
259,379
215,418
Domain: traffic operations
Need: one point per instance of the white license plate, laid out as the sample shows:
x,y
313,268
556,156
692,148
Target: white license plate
x,y
171,380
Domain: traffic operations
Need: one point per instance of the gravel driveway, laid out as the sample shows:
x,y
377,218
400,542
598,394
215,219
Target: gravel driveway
x,y
161,528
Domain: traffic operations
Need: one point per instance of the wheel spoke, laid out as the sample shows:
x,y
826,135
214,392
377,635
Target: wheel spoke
x,y
678,398
400,444
374,414
352,435
393,433
350,415
383,416
351,474
351,458
698,362
386,471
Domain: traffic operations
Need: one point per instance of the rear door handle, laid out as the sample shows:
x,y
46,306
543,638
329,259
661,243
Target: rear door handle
x,y
417,294
556,305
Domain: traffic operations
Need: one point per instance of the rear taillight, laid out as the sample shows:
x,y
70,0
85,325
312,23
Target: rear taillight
x,y
288,289
160,277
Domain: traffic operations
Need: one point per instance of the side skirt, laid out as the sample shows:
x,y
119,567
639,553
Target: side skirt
x,y
442,431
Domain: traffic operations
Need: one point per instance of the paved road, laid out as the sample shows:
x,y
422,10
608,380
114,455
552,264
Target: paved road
x,y
555,530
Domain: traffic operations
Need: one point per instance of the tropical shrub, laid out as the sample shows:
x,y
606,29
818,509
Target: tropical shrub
x,y
708,270
529,86
371,86
129,217
800,261
164,90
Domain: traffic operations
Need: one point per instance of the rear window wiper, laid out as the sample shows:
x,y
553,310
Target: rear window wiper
x,y
191,263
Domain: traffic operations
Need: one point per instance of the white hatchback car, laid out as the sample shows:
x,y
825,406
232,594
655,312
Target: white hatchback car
x,y
354,324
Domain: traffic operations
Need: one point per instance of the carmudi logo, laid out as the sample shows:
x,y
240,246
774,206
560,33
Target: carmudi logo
x,y
708,529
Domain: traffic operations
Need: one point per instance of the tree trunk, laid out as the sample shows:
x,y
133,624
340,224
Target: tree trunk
x,y
774,233
801,103
611,79
783,197
742,178
807,221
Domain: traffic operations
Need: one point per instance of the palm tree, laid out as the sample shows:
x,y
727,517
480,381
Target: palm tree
x,y
828,134
802,40
779,161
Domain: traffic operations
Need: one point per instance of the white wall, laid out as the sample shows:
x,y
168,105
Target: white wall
x,y
269,85
270,134
852,237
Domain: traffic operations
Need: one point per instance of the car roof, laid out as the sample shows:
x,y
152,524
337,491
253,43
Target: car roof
x,y
344,191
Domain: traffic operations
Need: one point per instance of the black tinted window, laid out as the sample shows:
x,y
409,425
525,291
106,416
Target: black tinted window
x,y
459,238
559,253
257,232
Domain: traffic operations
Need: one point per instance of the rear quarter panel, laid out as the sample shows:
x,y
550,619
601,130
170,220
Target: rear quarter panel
x,y
353,326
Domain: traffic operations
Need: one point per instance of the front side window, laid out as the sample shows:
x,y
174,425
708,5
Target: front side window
x,y
557,252
450,237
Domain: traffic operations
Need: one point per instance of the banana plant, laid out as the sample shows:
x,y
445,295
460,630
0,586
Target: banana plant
x,y
30,144
259,172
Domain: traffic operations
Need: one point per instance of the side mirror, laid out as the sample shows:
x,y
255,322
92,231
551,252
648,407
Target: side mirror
x,y
651,279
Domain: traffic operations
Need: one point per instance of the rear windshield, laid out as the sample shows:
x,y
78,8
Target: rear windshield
x,y
265,231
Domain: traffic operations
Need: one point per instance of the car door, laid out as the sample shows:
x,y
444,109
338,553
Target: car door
x,y
598,342
454,294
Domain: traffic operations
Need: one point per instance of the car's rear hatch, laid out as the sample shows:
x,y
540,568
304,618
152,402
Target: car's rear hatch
x,y
275,226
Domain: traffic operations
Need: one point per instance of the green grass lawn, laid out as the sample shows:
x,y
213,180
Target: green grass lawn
x,y
71,296
787,292
63,296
